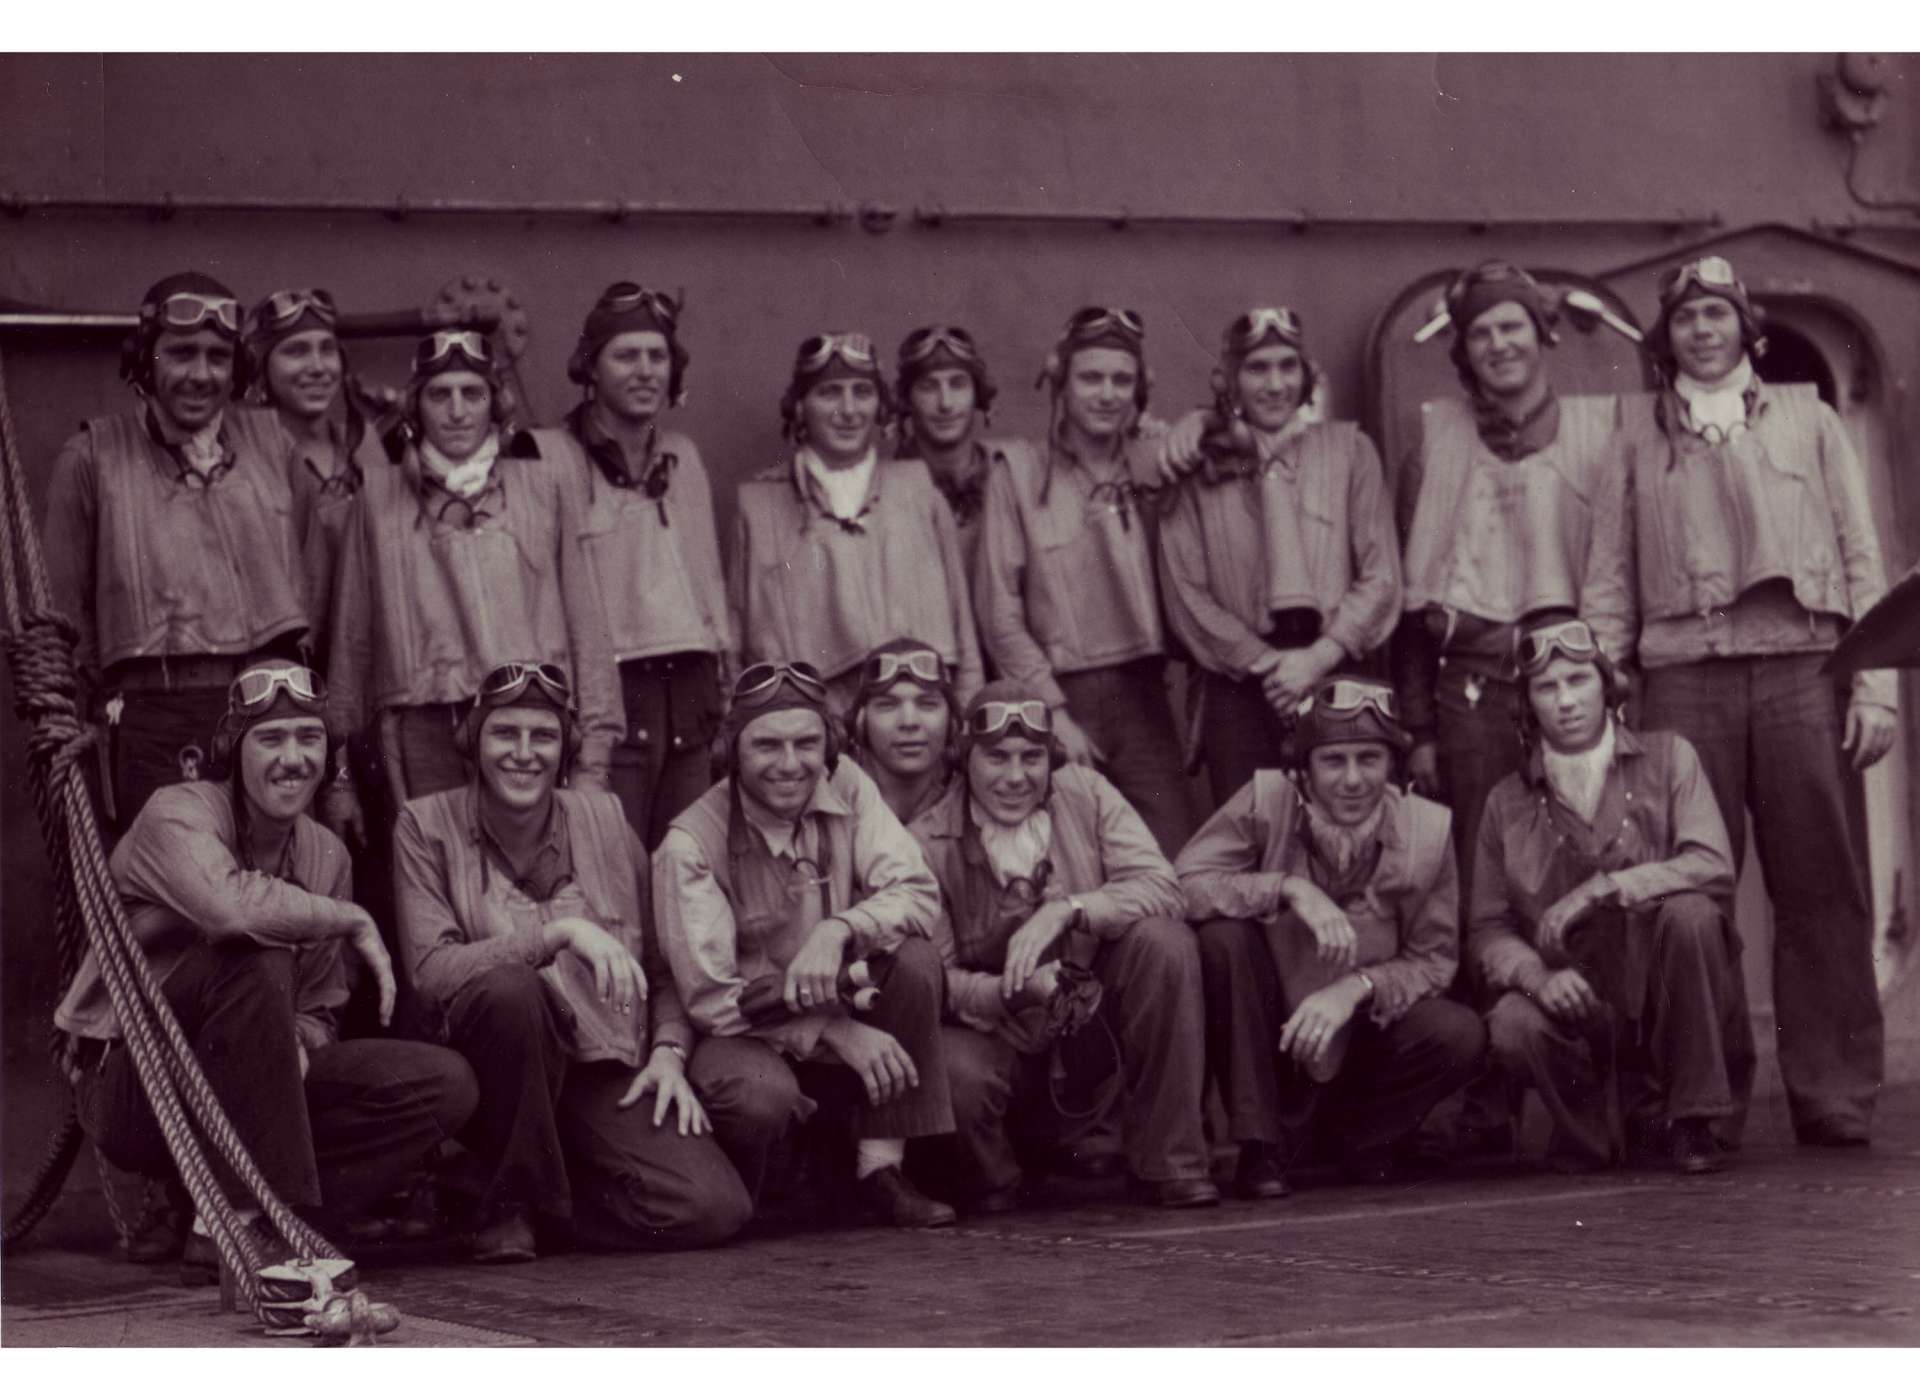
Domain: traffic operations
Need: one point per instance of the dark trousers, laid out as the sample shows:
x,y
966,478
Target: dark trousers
x,y
1239,733
164,736
365,1118
753,1092
552,1139
1388,1080
1152,1008
1688,1056
1125,711
663,764
1767,729
1478,746
419,751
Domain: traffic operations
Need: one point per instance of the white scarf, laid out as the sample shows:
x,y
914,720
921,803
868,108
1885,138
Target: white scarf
x,y
464,479
1014,852
846,487
1717,410
201,447
1578,779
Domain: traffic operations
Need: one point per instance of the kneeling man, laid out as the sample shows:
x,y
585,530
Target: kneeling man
x,y
242,903
524,914
1329,890
787,869
1598,914
1061,921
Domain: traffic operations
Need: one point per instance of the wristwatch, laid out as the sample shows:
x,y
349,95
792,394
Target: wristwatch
x,y
1366,982
1078,918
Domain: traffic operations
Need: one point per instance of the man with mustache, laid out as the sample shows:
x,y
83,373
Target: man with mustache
x,y
242,904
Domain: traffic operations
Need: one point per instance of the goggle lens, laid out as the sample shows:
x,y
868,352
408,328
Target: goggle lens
x,y
996,715
851,346
921,665
767,675
185,311
1573,639
254,687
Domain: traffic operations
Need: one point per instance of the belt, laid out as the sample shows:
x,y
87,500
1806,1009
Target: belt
x,y
667,664
174,673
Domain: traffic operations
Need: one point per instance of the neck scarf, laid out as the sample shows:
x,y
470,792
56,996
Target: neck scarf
x,y
463,479
846,488
1013,852
1578,778
1717,410
1342,846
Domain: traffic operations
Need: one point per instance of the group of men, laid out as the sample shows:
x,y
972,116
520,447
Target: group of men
x,y
668,879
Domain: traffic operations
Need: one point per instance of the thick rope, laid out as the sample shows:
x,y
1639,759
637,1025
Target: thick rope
x,y
40,646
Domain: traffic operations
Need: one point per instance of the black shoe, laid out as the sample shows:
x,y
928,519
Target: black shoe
x,y
1695,1153
889,1195
1002,1202
1826,1132
1182,1193
508,1240
159,1232
1259,1175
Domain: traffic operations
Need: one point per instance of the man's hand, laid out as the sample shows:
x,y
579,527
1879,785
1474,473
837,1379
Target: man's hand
x,y
589,780
665,1076
1573,906
881,1061
342,814
814,973
617,975
1870,731
1423,769
1296,672
1179,451
364,938
1030,943
1333,934
1039,988
1309,1032
1076,741
1567,996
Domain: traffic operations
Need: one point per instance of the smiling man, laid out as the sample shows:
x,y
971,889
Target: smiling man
x,y
788,868
242,904
945,395
835,550
648,534
1061,935
171,542
1278,557
1598,919
1065,579
1739,545
1329,892
528,929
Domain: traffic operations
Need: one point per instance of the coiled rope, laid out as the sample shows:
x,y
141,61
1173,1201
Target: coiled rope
x,y
39,644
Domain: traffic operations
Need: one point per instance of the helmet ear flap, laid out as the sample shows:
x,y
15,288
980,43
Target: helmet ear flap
x,y
577,368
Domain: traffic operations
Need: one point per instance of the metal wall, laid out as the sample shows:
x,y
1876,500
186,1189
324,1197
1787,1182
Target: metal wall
x,y
828,191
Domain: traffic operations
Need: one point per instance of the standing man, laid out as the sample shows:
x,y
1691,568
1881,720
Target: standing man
x,y
241,903
1054,892
1065,579
945,395
646,519
835,550
1497,514
1598,920
1278,558
172,543
1739,545
1329,893
789,867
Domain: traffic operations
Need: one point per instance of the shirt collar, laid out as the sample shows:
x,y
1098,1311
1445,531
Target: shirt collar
x,y
1511,441
825,801
1626,744
606,451
550,865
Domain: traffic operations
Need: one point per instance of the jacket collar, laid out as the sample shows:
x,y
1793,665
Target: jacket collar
x,y
1626,744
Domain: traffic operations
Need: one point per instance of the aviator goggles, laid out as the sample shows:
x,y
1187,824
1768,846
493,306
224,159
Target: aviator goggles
x,y
436,350
994,716
1488,272
1714,274
920,665
186,311
1573,639
1251,327
764,677
631,296
851,346
1346,696
504,684
283,309
254,688
929,341
1094,320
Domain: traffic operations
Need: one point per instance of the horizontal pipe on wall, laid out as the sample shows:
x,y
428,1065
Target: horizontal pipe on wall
x,y
368,326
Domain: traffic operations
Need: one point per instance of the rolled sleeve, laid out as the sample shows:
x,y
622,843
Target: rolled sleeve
x,y
1140,882
1219,870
